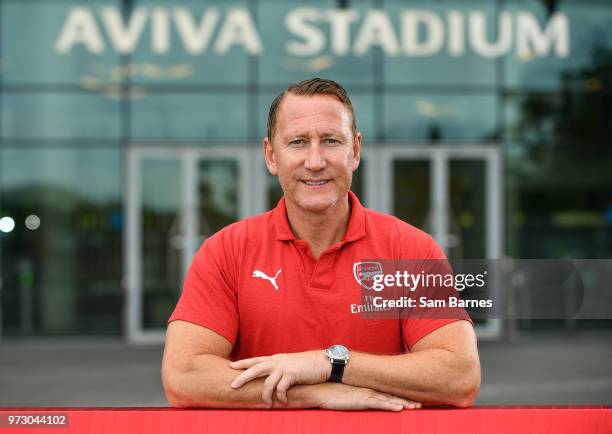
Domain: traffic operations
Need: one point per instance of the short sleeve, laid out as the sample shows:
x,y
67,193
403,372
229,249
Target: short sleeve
x,y
415,328
209,297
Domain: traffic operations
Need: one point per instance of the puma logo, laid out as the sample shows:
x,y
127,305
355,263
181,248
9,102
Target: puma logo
x,y
263,275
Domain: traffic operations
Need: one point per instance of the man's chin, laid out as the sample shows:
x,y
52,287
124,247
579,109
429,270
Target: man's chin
x,y
319,205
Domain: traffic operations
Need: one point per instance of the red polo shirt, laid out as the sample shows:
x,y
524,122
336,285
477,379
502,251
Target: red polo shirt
x,y
258,286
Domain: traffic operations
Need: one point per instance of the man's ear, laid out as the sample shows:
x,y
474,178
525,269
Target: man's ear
x,y
269,156
356,150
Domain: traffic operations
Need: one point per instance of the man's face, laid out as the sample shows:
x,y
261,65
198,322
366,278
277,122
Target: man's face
x,y
314,151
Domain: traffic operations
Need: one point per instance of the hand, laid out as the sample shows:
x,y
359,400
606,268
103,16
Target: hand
x,y
283,371
337,396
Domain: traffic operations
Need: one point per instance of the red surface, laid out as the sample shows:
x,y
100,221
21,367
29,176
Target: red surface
x,y
499,420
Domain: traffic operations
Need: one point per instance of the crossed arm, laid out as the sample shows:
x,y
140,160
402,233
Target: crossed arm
x,y
443,368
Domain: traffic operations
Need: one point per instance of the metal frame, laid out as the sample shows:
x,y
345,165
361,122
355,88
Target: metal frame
x,y
439,196
188,157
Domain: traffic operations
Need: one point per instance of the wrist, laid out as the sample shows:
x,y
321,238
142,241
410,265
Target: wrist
x,y
307,395
327,366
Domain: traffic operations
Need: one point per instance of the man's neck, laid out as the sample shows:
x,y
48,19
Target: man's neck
x,y
319,230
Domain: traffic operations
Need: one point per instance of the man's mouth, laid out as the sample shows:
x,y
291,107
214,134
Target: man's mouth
x,y
315,182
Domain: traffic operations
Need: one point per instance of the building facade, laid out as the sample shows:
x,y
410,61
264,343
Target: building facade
x,y
131,130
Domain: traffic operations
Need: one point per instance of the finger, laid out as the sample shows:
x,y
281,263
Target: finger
x,y
282,387
256,371
406,403
246,363
382,403
269,386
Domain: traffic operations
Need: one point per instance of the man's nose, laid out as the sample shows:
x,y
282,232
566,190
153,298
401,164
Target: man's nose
x,y
315,159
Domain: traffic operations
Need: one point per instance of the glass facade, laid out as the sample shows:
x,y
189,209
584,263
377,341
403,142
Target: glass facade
x,y
130,131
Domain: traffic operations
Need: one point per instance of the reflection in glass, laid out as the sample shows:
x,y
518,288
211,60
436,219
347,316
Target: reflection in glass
x,y
218,182
162,239
588,28
467,214
439,118
411,192
434,68
164,234
30,31
64,277
37,115
558,165
199,117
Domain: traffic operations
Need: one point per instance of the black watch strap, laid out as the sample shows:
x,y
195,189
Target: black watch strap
x,y
337,371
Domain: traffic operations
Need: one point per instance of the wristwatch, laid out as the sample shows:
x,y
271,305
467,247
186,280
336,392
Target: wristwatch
x,y
338,356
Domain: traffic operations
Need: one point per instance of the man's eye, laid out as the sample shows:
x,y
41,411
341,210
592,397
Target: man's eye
x,y
296,142
332,141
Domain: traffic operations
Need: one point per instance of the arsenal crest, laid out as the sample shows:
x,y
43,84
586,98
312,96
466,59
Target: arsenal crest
x,y
364,272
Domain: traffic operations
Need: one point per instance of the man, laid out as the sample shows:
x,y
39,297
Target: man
x,y
274,292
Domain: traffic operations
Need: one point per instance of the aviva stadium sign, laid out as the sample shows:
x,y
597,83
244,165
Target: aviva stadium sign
x,y
314,31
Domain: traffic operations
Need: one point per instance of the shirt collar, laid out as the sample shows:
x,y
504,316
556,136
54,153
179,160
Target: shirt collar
x,y
356,227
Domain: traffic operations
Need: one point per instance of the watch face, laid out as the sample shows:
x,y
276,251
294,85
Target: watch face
x,y
338,352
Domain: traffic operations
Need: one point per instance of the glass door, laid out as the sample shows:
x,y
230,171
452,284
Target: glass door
x,y
453,193
176,199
